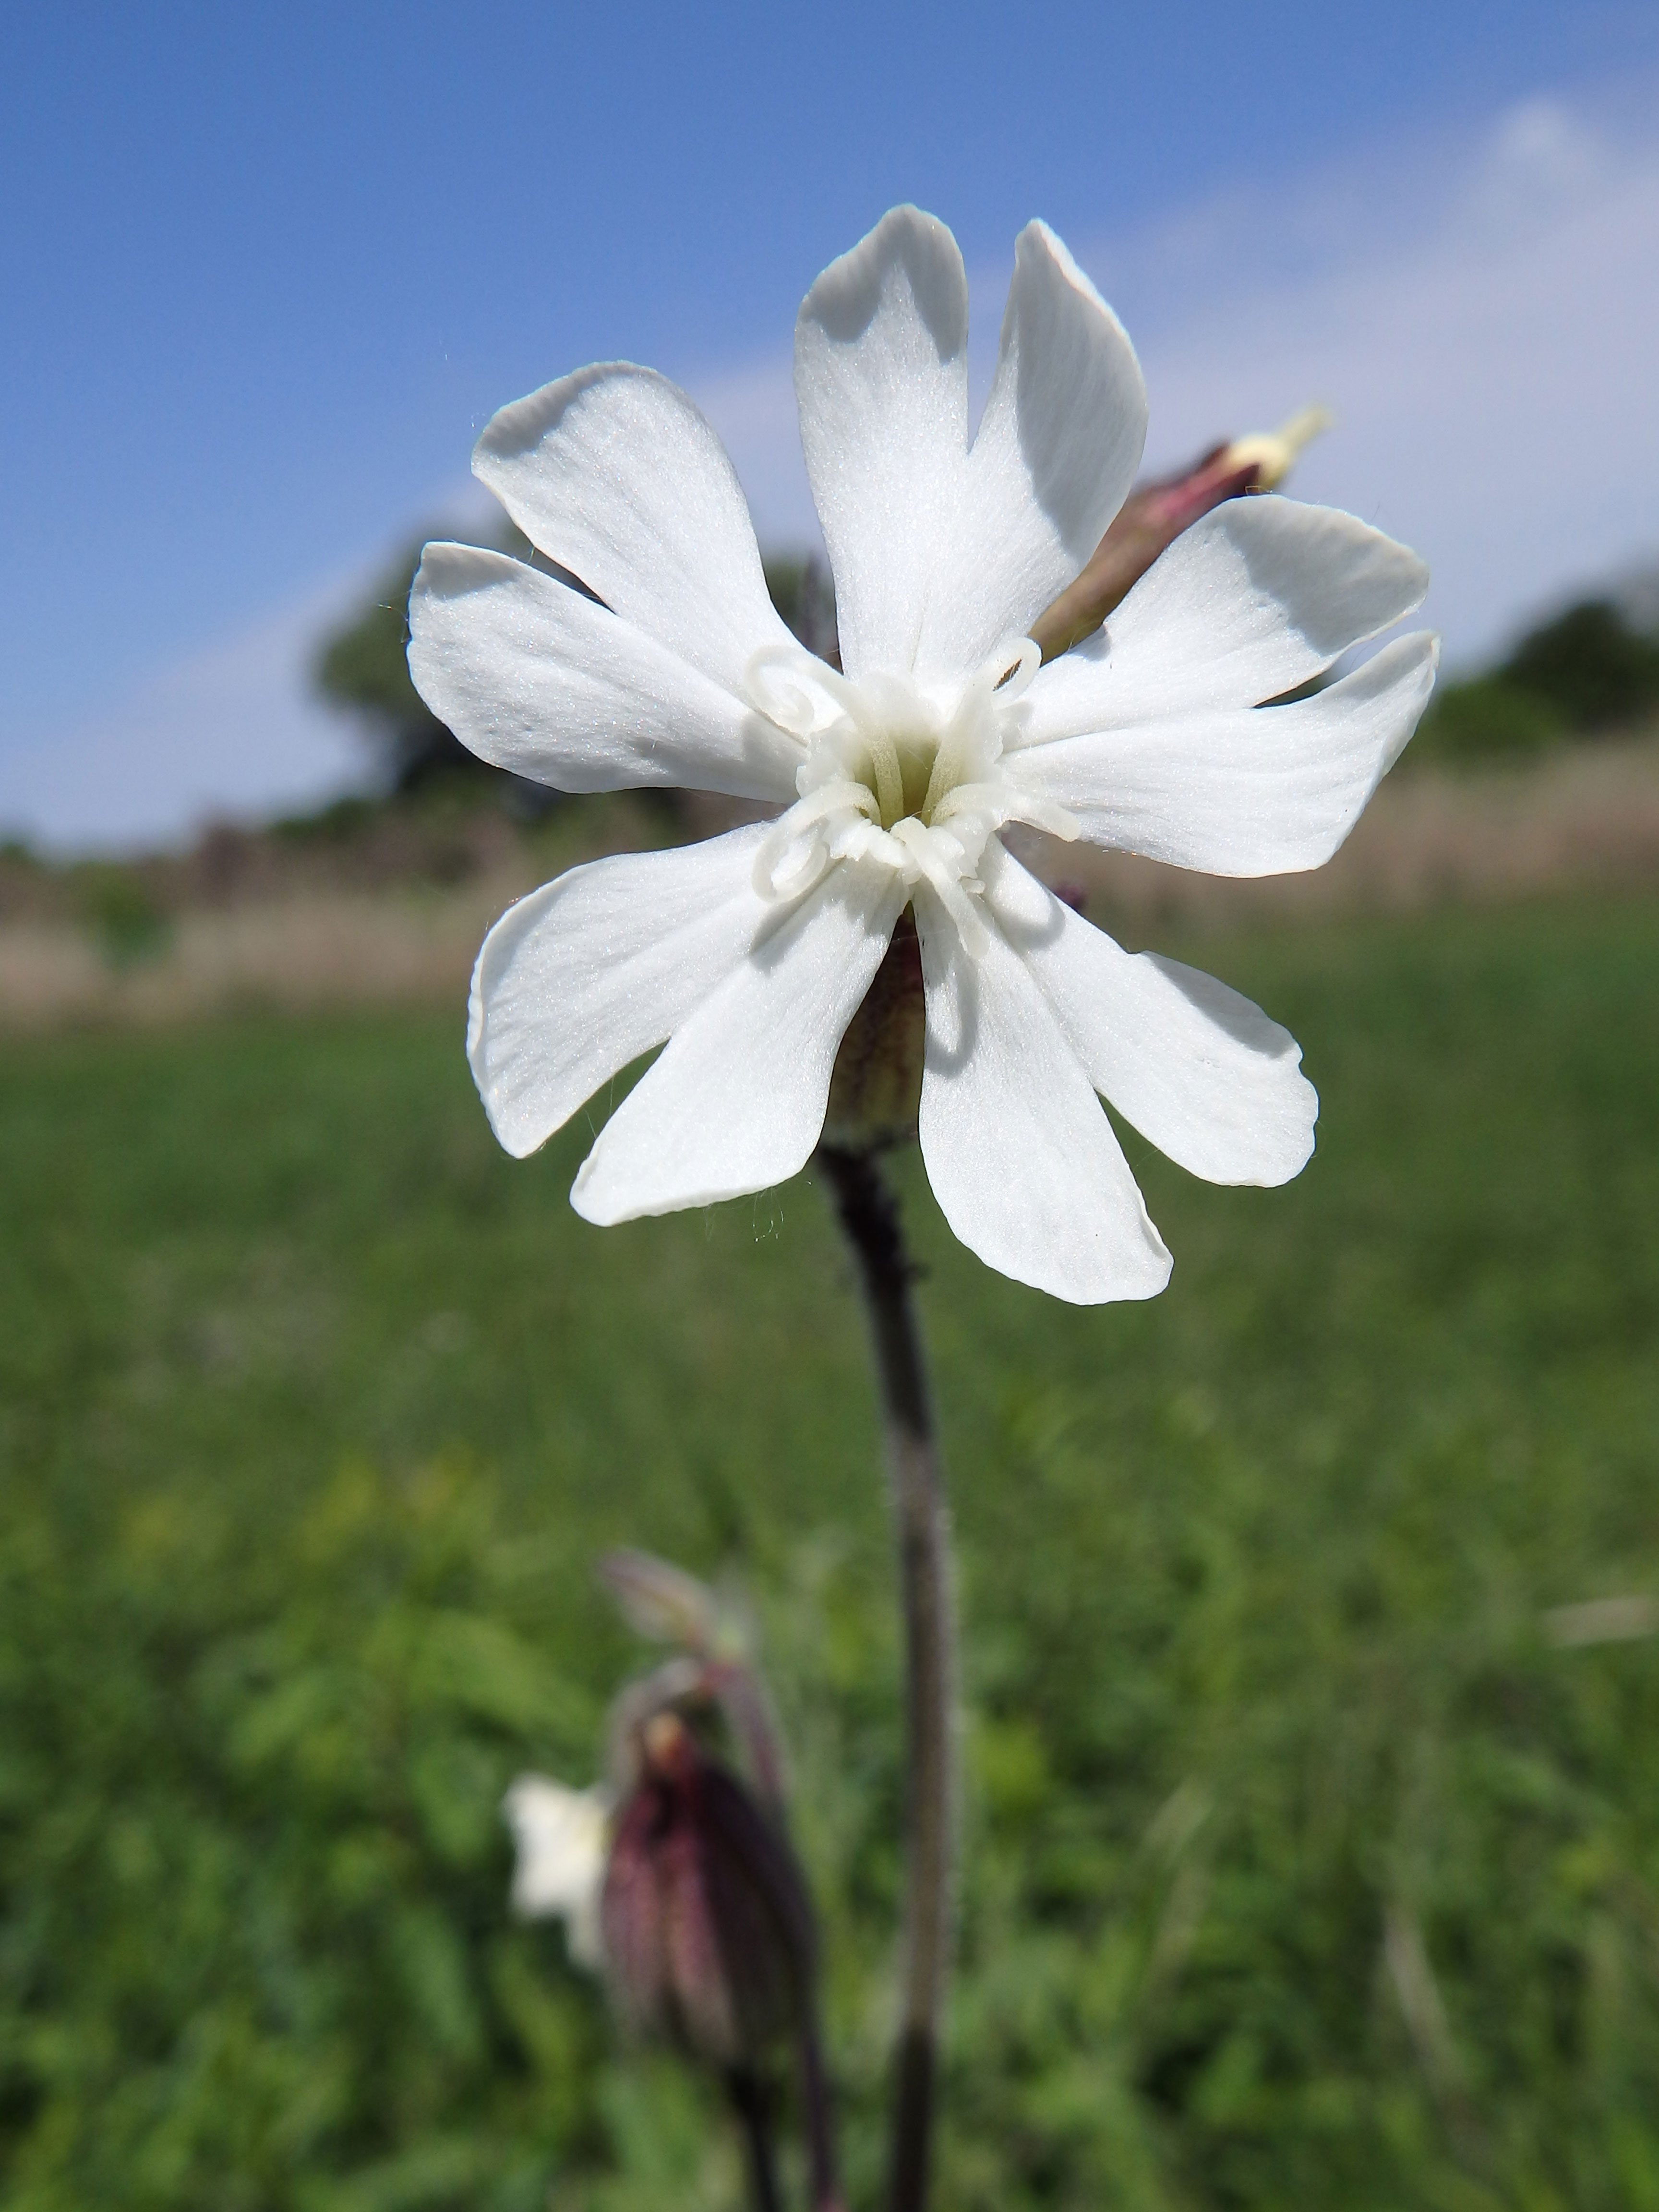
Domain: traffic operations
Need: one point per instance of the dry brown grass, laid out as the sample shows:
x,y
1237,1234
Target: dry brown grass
x,y
311,950
1585,817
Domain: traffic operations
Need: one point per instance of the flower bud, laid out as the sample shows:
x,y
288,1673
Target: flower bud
x,y
707,1928
1271,454
1155,515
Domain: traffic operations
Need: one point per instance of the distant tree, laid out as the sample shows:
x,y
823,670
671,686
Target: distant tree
x,y
364,668
1585,671
804,595
1487,718
1597,672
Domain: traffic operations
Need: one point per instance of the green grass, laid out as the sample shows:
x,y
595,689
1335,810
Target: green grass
x,y
315,1409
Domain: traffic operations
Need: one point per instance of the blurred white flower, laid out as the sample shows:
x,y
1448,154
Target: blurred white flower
x,y
562,1837
750,953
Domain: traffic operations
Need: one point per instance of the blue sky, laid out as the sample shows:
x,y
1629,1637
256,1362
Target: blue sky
x,y
266,270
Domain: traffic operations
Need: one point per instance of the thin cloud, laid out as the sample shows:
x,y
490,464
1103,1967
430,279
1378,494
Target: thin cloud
x,y
1482,319
231,733
1483,323
1491,377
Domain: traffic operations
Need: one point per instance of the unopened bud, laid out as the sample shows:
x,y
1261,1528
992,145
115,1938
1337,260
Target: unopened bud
x,y
1271,454
1155,515
709,1932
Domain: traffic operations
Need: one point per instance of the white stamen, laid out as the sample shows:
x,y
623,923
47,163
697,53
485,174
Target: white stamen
x,y
801,693
863,741
790,829
924,848
1010,668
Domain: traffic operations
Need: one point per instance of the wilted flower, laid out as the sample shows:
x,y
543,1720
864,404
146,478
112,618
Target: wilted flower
x,y
708,1933
562,1837
750,953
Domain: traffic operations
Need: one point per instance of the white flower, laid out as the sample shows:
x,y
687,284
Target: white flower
x,y
749,953
562,1837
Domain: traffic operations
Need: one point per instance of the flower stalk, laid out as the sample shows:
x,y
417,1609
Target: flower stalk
x,y
752,2101
869,1216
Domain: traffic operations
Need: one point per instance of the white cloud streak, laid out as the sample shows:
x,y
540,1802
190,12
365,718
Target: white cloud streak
x,y
229,733
1493,377
1484,325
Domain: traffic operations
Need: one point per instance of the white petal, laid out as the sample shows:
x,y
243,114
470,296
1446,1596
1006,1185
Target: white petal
x,y
736,1101
1255,599
533,676
1021,1157
615,474
1240,791
1052,462
584,974
1195,1067
561,1839
881,377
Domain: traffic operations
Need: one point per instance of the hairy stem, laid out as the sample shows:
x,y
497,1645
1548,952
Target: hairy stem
x,y
869,1214
823,2176
752,2101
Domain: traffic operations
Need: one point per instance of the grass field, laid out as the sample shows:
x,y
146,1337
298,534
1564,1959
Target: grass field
x,y
1304,1867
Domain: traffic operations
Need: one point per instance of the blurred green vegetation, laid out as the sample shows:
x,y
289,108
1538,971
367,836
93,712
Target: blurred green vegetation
x,y
802,591
1301,1868
121,912
1587,672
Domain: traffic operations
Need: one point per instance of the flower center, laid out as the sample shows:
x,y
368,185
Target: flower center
x,y
896,772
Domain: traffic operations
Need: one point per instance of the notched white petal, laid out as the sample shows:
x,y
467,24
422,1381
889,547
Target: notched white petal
x,y
858,291
534,677
1025,1164
617,474
578,980
1052,461
881,377
1196,1067
1253,600
737,1100
1240,792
